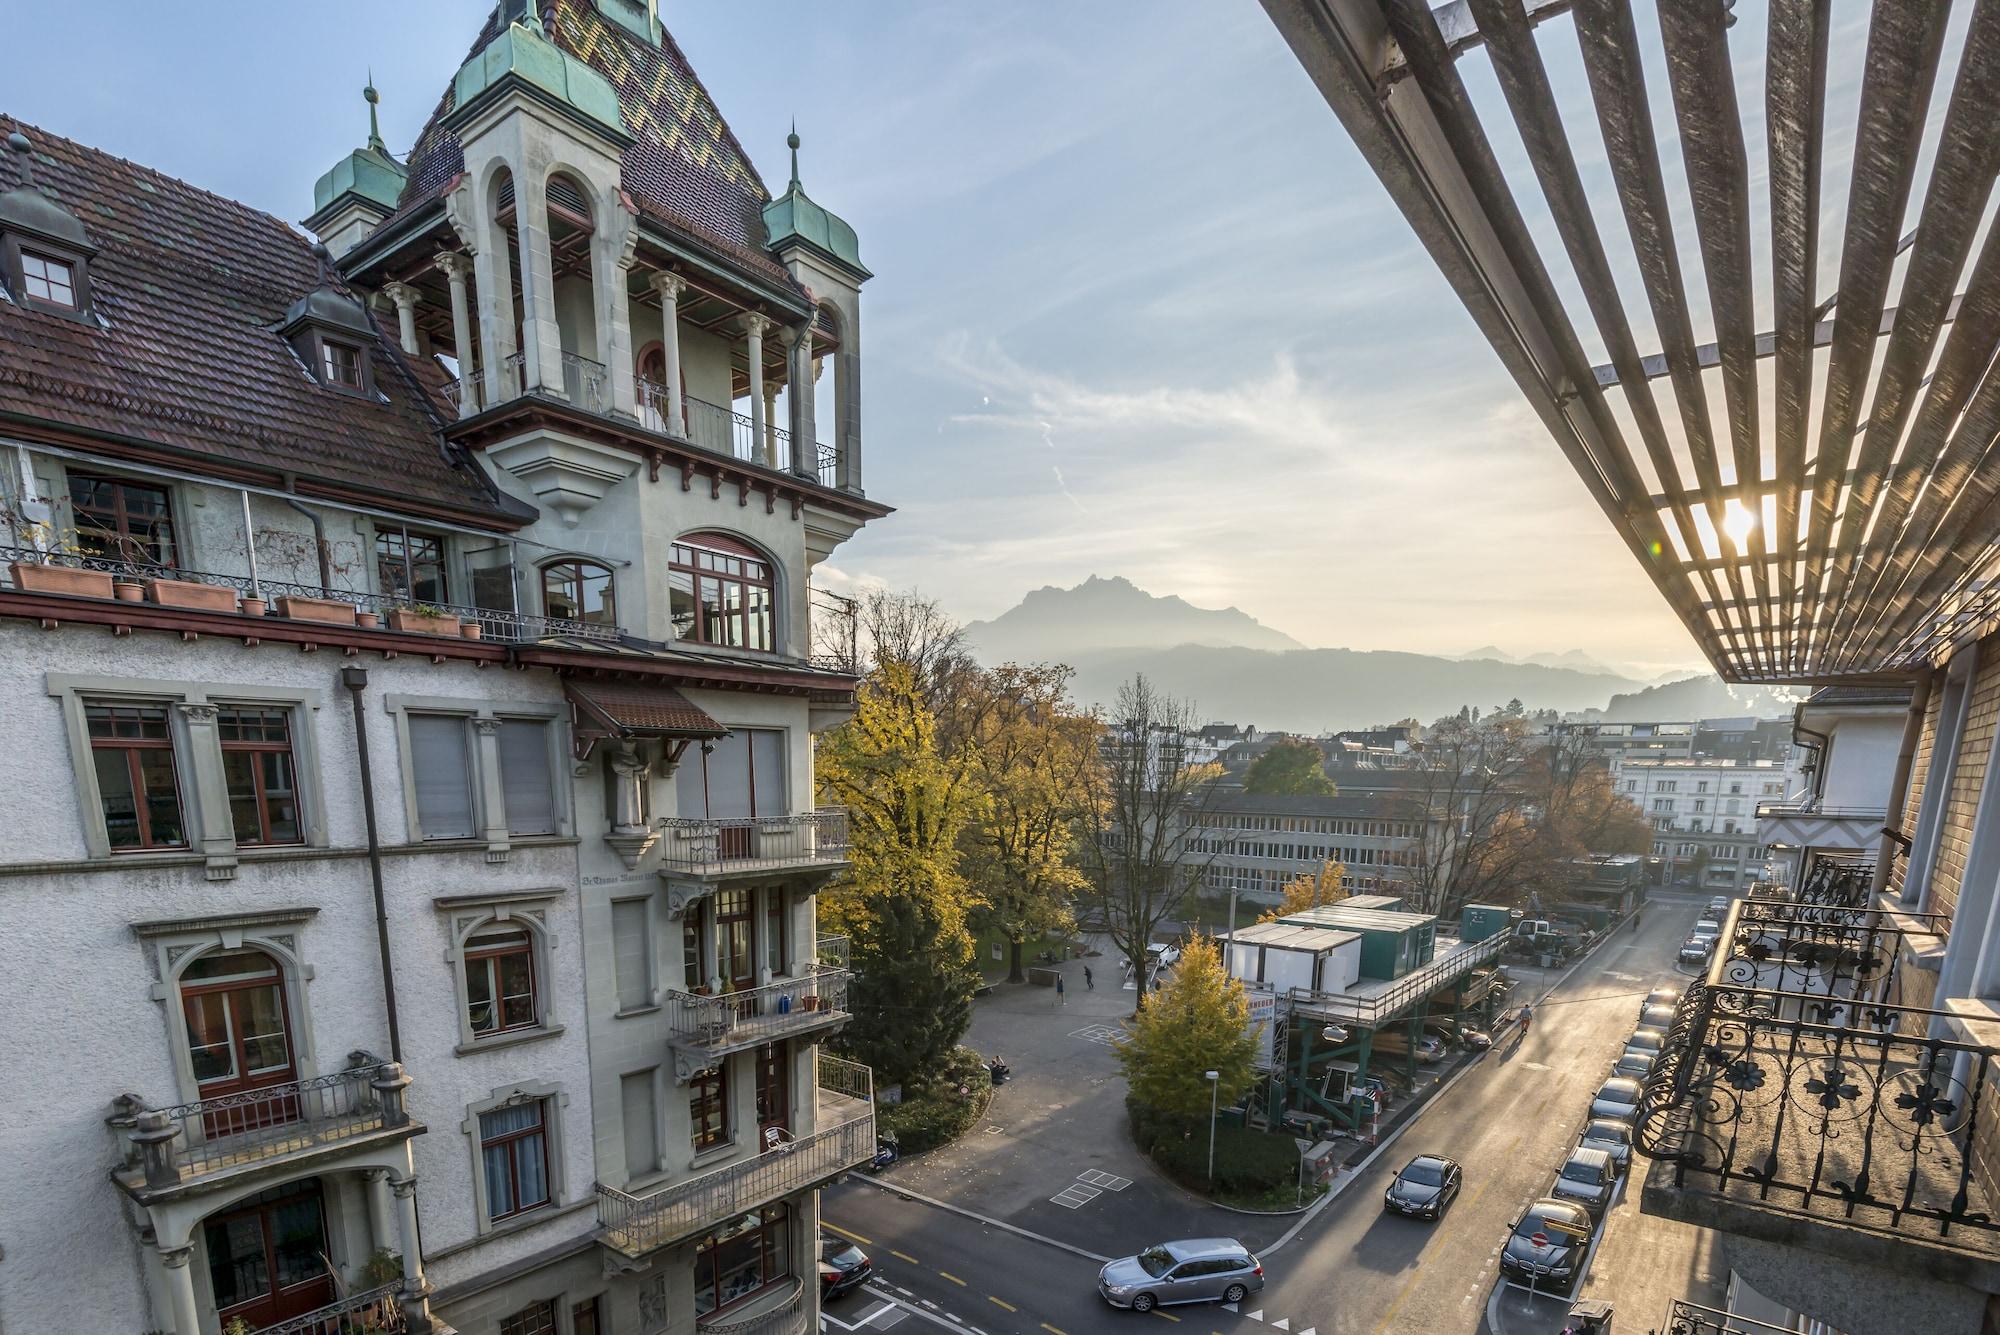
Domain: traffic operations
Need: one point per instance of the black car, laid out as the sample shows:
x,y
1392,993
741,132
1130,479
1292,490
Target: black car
x,y
1556,1261
1424,1188
1614,1138
842,1266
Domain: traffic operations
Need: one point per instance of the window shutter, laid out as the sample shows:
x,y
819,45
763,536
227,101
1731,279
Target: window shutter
x,y
631,953
525,780
642,1137
767,768
443,776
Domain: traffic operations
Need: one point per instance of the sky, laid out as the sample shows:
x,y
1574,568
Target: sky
x,y
1140,307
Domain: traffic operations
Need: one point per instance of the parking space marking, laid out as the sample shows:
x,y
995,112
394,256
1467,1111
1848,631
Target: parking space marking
x,y
1075,1195
1166,1316
1109,1035
1109,1181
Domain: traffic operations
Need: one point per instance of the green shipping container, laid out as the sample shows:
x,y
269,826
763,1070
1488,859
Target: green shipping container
x,y
1392,943
1477,922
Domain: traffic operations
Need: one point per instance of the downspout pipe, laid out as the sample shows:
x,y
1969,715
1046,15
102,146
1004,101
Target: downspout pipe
x,y
1899,782
355,679
319,544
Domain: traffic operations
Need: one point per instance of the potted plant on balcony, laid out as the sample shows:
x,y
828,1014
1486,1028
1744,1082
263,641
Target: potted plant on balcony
x,y
128,589
423,619
253,606
471,630
331,611
366,619
193,595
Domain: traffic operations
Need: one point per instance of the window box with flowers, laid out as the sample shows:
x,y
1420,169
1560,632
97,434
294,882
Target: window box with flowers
x,y
423,619
67,580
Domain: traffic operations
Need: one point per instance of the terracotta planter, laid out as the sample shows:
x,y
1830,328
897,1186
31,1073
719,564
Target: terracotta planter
x,y
61,579
253,607
199,597
129,591
403,618
471,630
331,611
368,620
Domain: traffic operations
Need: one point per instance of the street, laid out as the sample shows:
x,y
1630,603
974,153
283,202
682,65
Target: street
x,y
1351,1270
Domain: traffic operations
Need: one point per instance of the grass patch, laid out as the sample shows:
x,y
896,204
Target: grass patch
x,y
942,1108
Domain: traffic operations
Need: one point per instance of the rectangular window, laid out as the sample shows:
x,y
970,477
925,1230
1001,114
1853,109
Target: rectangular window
x,y
340,364
410,565
527,780
708,1108
691,975
587,1318
258,765
441,759
631,954
642,1135
132,751
534,1319
514,1149
45,279
740,775
121,520
500,979
741,1259
774,929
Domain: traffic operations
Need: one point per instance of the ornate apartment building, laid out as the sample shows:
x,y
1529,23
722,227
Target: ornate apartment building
x,y
412,668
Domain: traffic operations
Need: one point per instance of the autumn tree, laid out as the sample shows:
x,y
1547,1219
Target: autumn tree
x,y
1293,767
1032,753
1467,782
1147,842
1198,1022
904,901
1308,890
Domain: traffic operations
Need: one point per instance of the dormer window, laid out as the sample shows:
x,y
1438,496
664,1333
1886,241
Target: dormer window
x,y
49,280
340,364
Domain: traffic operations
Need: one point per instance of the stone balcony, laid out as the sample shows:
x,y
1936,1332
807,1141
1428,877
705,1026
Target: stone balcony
x,y
843,1138
756,845
703,1028
279,1130
788,1313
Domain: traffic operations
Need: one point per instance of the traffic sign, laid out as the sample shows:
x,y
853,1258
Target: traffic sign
x,y
1539,1239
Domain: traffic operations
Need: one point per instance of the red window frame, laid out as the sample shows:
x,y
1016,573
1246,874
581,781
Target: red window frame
x,y
246,720
519,943
534,1319
580,574
106,524
731,592
112,714
774,1260
506,1143
708,1108
340,363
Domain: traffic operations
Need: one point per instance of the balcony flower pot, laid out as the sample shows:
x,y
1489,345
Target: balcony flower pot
x,y
330,611
197,597
422,622
129,590
253,607
368,620
471,630
66,580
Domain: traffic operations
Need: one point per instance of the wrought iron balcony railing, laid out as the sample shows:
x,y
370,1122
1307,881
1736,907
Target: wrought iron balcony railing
x,y
836,632
373,1312
757,843
503,626
165,1148
844,1138
786,1007
1686,1318
1796,1082
832,951
786,1316
1813,809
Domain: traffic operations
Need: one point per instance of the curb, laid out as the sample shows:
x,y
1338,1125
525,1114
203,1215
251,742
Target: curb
x,y
987,1220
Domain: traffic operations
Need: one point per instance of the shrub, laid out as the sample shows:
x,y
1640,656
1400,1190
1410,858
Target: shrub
x,y
1247,1162
940,1110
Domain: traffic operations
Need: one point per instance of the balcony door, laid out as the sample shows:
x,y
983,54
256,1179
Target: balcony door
x,y
774,1093
736,938
734,779
239,1039
267,1256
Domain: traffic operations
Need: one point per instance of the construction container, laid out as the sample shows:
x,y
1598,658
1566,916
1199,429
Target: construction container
x,y
1392,944
1477,922
1280,956
1391,903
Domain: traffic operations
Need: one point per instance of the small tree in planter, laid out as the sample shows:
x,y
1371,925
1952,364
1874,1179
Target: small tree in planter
x,y
47,575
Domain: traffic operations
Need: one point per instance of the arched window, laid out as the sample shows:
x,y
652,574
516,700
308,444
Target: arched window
x,y
579,591
722,592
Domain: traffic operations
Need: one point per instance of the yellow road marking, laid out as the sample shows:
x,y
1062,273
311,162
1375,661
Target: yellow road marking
x,y
1053,1330
1001,1302
953,1278
904,1256
851,1237
1166,1315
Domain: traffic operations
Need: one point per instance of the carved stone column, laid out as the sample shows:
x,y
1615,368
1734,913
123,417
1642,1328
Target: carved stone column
x,y
415,1298
493,796
405,298
211,790
670,286
455,268
754,326
180,1289
799,384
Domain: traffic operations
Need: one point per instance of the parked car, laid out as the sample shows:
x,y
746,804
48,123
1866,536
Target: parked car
x,y
1668,997
1476,1040
1634,1063
1553,1263
1162,955
1586,1177
1617,1098
1614,1138
1425,1188
1720,903
1695,949
1198,1270
1711,914
842,1266
1393,1043
1657,1017
1646,1040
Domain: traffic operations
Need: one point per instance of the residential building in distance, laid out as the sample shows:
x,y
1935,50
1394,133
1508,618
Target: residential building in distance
x,y
412,669
1704,815
1838,806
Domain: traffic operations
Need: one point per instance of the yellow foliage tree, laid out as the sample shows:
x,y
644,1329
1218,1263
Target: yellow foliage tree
x,y
1308,890
1199,1021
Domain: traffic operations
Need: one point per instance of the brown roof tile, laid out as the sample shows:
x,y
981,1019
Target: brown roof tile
x,y
190,288
647,710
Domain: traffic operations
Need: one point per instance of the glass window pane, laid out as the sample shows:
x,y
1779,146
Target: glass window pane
x,y
209,1049
236,1264
479,994
531,1169
121,808
298,1241
163,799
499,1180
281,800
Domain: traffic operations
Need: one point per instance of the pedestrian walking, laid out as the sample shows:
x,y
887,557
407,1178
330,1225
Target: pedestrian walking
x,y
1061,1000
1089,983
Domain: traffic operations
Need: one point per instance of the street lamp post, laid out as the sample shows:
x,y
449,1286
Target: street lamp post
x,y
1214,1079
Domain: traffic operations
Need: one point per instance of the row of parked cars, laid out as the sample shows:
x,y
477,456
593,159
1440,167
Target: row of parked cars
x,y
1548,1244
1701,941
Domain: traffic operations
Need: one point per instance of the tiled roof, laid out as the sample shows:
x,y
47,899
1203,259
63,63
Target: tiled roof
x,y
647,710
686,171
190,288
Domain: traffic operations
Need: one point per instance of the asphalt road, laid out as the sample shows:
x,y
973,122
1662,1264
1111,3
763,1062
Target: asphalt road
x,y
1352,1270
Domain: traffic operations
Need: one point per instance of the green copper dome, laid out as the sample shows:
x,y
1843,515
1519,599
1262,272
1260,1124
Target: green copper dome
x,y
522,53
792,218
368,172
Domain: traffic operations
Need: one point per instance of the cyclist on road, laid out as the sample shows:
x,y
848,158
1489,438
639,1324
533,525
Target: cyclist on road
x,y
1527,1018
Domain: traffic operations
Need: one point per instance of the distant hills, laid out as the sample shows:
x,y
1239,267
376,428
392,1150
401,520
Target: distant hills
x,y
1234,667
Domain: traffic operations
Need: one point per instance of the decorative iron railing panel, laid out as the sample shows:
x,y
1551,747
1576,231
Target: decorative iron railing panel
x,y
374,1312
832,951
836,631
758,1014
1795,1080
754,843
783,1318
1686,1318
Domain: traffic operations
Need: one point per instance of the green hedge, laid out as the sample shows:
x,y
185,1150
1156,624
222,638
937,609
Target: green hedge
x,y
1247,1162
942,1109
